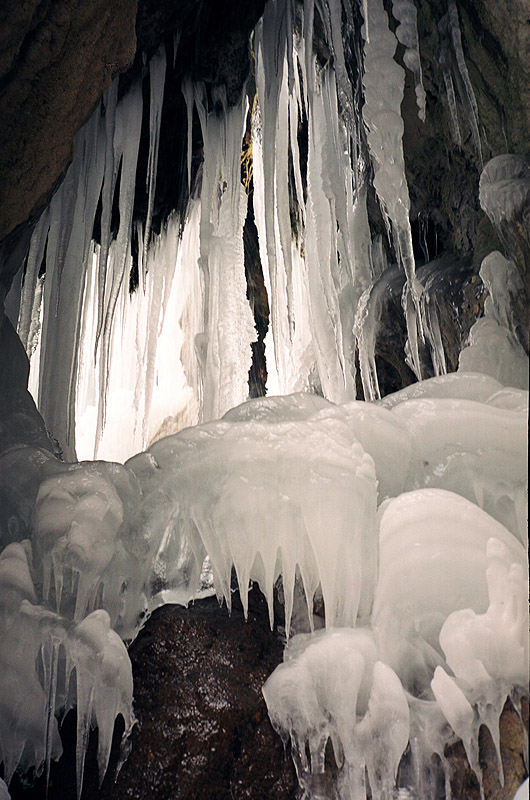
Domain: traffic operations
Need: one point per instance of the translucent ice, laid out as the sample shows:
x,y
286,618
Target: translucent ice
x,y
258,495
432,561
494,347
474,449
331,686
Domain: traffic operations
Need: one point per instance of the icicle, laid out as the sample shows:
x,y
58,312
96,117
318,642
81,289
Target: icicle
x,y
112,162
344,89
271,84
453,64
176,42
188,92
127,139
72,216
450,89
468,95
366,326
228,324
157,74
28,307
383,91
407,33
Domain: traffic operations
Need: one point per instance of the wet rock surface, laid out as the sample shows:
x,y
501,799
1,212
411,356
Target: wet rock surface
x,y
203,729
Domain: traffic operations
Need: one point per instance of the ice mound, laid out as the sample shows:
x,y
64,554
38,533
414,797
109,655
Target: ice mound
x,y
457,385
386,438
267,498
432,561
332,686
477,450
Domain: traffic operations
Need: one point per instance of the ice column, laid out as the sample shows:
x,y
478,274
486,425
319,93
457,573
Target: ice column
x,y
331,227
223,346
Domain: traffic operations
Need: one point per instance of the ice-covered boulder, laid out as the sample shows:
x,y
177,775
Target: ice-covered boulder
x,y
266,496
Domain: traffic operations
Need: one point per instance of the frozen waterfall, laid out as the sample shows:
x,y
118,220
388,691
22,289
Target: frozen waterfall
x,y
405,515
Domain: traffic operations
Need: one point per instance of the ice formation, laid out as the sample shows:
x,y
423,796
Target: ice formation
x,y
407,515
39,652
454,68
522,792
254,495
494,347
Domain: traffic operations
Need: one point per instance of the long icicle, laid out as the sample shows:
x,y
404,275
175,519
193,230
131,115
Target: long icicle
x,y
157,74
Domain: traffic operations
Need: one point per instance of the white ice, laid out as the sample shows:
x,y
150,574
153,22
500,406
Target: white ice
x,y
257,495
331,686
494,347
522,791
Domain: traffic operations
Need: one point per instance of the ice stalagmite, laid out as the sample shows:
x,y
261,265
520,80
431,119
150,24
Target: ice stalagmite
x,y
331,686
494,347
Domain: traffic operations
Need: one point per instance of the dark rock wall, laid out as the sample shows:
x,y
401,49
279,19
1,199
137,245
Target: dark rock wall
x,y
57,58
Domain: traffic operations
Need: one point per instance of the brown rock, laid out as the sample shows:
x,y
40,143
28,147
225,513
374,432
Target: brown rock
x,y
203,729
57,59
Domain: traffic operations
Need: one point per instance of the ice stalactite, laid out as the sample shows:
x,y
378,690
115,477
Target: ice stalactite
x,y
157,74
366,325
406,515
126,142
407,33
383,82
71,216
332,225
454,69
39,651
